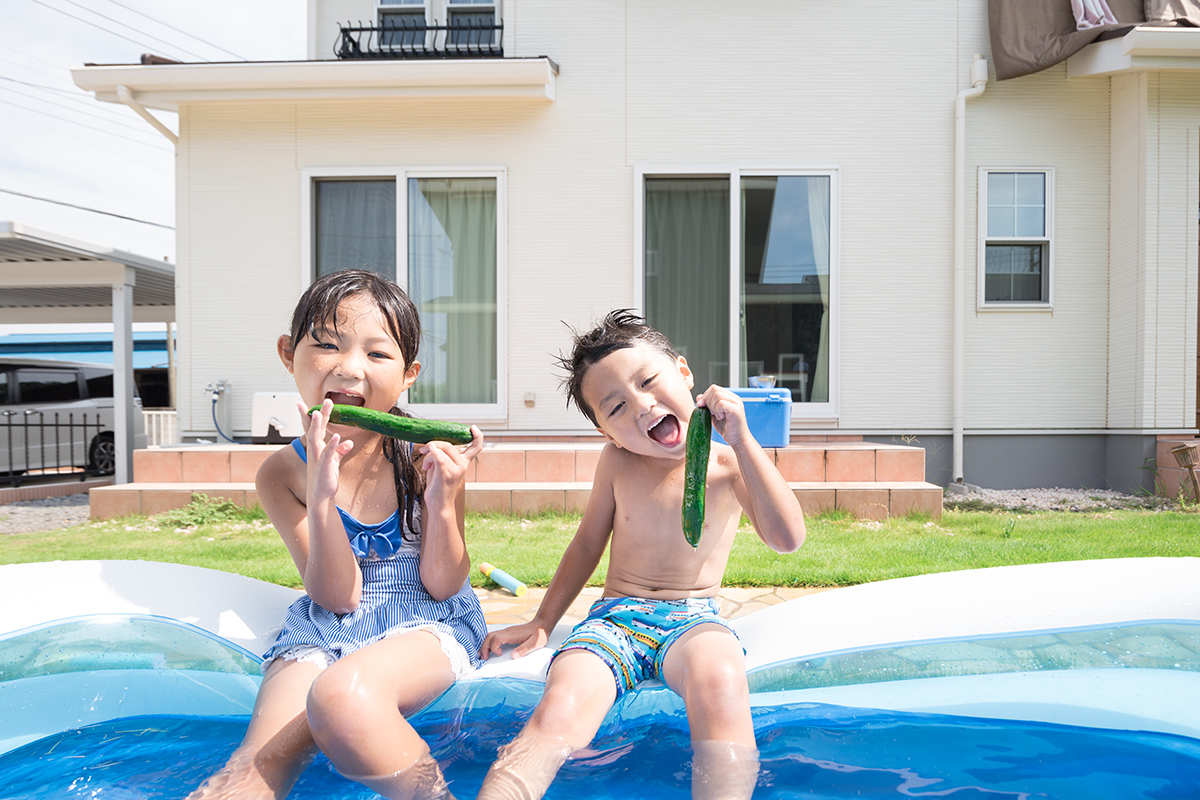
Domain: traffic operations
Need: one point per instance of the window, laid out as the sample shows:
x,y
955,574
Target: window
x,y
471,23
1016,224
47,385
739,271
440,235
404,23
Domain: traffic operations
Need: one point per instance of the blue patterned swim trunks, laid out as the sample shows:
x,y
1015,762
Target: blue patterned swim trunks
x,y
632,635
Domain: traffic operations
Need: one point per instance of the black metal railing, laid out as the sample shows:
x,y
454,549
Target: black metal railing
x,y
415,38
41,447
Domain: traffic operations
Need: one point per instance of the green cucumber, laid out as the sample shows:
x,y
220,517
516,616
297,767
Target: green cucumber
x,y
409,429
695,473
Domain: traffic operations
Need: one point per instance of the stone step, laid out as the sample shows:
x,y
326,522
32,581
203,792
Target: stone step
x,y
540,462
864,499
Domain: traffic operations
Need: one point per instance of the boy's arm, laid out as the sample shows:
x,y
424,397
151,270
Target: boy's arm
x,y
578,563
768,501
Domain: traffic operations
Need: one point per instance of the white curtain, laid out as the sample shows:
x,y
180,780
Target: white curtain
x,y
356,226
452,279
687,270
818,217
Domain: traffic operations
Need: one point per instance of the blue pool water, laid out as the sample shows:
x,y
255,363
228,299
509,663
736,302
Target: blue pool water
x,y
808,749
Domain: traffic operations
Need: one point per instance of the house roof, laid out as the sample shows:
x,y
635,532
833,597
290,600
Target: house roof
x,y
167,86
45,277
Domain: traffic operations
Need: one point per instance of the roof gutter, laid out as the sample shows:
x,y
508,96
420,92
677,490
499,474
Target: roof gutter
x,y
979,77
126,97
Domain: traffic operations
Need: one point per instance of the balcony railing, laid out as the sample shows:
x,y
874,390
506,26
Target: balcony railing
x,y
416,38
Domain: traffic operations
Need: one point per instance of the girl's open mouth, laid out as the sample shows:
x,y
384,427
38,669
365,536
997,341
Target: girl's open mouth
x,y
345,399
666,431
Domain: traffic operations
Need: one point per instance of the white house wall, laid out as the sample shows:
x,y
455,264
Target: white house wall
x,y
1033,368
696,85
1153,313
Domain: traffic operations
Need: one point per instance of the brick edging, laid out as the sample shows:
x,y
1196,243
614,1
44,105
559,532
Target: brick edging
x,y
16,494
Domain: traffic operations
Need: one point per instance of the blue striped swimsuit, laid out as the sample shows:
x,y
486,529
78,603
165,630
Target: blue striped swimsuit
x,y
393,598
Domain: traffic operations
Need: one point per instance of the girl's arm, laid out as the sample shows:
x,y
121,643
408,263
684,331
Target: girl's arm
x,y
332,577
445,563
578,564
768,501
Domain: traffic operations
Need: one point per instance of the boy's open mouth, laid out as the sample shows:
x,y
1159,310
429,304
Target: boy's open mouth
x,y
666,431
345,399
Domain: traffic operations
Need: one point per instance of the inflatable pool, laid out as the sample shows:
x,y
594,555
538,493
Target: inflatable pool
x,y
1078,679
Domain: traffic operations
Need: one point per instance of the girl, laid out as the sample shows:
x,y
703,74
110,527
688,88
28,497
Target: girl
x,y
376,531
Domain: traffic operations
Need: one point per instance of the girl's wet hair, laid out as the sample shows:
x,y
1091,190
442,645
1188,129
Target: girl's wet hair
x,y
618,330
318,309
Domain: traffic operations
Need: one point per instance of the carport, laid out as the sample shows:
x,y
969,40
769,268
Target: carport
x,y
47,278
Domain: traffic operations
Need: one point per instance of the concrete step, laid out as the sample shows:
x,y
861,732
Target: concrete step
x,y
541,462
864,499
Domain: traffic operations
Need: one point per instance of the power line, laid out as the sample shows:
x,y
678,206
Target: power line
x,y
138,129
172,27
85,125
135,30
78,96
94,25
85,208
90,143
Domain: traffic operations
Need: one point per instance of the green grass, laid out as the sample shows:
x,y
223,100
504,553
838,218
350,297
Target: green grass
x,y
839,551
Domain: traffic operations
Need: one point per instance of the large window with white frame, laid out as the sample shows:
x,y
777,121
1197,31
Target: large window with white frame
x,y
1016,237
440,235
739,270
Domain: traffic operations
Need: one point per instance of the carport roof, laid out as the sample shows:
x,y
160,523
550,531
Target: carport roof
x,y
45,277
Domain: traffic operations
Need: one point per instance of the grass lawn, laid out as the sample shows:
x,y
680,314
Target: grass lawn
x,y
839,551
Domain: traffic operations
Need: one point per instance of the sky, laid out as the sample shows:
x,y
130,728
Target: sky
x,y
60,144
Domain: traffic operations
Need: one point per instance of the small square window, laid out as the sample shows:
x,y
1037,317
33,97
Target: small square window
x,y
1015,225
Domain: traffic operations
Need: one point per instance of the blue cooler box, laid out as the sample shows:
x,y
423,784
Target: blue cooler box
x,y
769,413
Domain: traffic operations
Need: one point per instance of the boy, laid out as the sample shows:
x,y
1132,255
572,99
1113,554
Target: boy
x,y
657,618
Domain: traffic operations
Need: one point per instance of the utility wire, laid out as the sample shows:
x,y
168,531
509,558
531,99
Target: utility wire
x,y
78,96
138,129
94,25
135,30
85,208
85,125
91,143
172,27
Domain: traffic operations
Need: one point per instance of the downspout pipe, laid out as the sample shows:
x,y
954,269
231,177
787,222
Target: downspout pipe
x,y
979,77
126,97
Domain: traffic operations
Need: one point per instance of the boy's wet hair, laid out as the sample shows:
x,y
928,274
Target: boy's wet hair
x,y
620,329
318,308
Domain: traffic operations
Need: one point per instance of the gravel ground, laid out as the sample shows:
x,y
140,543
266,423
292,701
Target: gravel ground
x,y
44,515
1055,500
63,512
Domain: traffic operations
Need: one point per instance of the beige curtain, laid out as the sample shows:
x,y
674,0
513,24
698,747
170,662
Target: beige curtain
x,y
452,279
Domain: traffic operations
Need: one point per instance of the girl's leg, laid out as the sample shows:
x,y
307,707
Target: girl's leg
x,y
357,710
706,667
579,691
277,745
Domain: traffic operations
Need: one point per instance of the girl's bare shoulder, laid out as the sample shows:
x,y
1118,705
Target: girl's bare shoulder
x,y
283,469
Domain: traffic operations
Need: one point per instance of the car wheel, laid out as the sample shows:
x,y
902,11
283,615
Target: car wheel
x,y
102,458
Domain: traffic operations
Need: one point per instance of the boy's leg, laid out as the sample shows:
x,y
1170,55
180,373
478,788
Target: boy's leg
x,y
580,690
707,668
357,709
277,745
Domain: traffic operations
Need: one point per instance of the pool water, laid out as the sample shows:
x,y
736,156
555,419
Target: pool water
x,y
807,750
141,707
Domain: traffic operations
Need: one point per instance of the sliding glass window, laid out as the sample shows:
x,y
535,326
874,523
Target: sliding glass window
x,y
762,308
448,254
